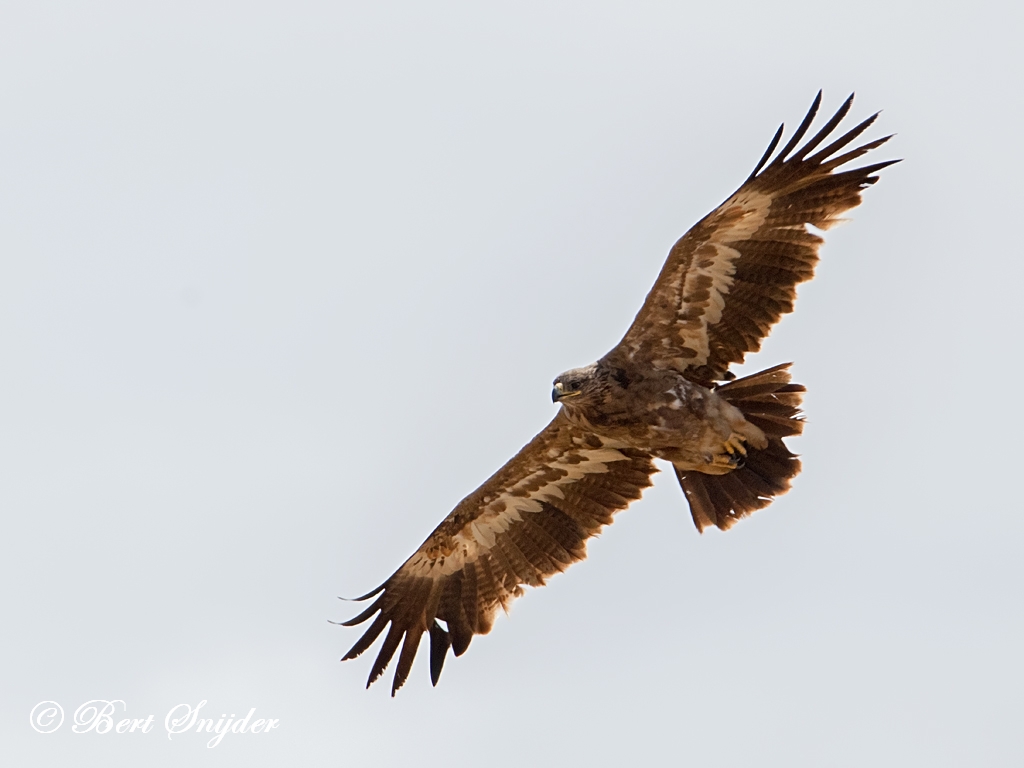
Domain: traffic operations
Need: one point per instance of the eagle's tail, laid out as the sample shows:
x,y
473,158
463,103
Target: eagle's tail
x,y
768,400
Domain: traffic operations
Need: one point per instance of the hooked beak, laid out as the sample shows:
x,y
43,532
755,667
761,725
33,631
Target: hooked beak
x,y
558,393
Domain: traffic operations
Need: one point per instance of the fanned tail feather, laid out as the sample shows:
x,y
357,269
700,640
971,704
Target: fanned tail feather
x,y
771,402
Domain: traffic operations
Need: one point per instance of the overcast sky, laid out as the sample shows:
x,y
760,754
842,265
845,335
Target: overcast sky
x,y
280,284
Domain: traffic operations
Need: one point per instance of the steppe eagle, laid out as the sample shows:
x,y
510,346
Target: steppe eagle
x,y
664,391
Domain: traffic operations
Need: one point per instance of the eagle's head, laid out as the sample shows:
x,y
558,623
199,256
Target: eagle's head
x,y
580,383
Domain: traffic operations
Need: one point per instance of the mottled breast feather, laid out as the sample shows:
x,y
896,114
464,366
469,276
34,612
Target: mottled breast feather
x,y
734,274
529,521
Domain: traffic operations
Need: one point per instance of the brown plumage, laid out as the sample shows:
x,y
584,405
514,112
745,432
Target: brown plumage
x,y
662,392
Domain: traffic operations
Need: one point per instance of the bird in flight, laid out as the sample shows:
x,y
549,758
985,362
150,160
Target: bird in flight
x,y
664,391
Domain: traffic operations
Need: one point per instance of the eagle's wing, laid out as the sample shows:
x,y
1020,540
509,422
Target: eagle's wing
x,y
530,520
734,274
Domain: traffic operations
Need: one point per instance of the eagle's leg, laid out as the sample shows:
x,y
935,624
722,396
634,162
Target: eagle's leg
x,y
735,444
726,455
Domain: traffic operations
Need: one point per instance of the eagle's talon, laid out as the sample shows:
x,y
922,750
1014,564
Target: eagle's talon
x,y
727,460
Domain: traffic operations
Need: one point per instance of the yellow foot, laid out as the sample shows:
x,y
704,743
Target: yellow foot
x,y
734,451
735,444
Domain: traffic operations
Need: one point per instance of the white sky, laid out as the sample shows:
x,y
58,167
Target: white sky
x,y
281,284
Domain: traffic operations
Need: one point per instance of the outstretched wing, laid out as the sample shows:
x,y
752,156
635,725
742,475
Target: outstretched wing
x,y
529,521
733,275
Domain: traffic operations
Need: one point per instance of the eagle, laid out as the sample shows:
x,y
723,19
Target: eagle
x,y
663,392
